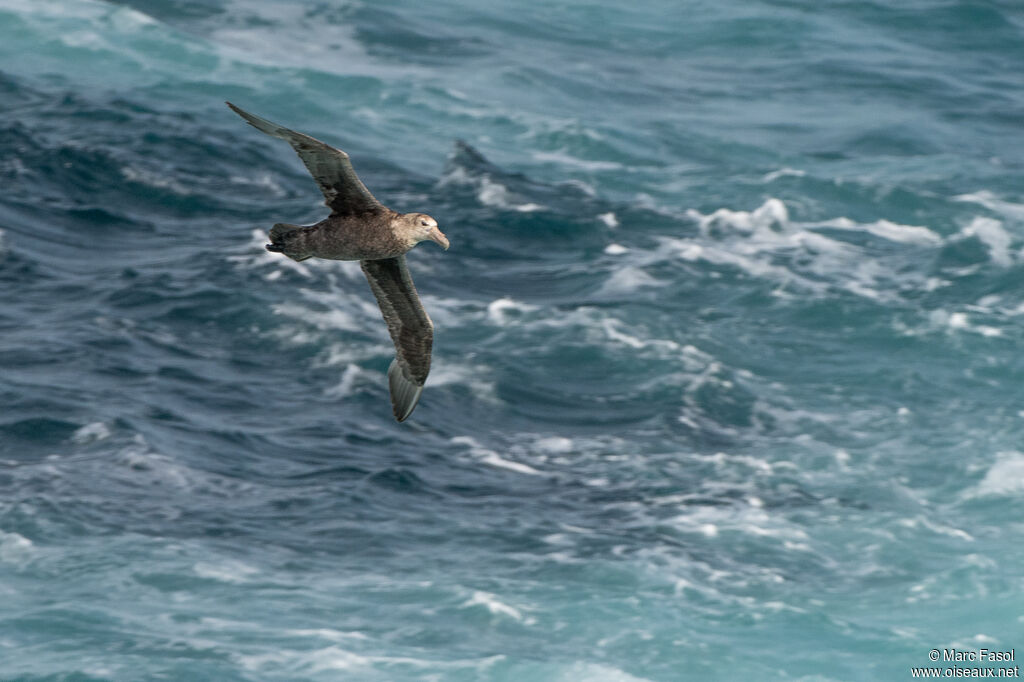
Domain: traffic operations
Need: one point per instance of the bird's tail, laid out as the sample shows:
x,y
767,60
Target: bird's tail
x,y
289,240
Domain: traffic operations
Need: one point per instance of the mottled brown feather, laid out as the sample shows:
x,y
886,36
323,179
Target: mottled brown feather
x,y
344,192
408,323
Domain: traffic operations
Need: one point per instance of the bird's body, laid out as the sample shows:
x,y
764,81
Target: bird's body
x,y
365,236
361,228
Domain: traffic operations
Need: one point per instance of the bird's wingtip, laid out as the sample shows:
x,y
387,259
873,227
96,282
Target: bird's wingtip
x,y
404,393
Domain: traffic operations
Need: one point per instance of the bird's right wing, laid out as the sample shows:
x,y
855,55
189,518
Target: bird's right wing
x,y
344,192
410,328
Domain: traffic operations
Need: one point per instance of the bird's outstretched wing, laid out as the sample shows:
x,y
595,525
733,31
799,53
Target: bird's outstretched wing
x,y
410,328
344,192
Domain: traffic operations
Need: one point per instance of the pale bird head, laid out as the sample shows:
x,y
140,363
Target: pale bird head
x,y
425,227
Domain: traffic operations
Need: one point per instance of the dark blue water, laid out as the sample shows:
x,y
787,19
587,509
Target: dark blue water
x,y
727,376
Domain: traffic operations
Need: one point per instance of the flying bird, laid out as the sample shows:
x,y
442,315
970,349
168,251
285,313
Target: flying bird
x,y
363,229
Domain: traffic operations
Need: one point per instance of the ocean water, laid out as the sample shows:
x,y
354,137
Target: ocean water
x,y
729,361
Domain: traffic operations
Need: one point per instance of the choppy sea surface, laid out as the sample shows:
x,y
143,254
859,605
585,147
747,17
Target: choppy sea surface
x,y
729,361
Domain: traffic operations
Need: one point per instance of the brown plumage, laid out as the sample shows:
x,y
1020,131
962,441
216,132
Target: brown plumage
x,y
361,228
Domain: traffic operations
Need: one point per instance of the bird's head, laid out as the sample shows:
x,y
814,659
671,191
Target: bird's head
x,y
423,227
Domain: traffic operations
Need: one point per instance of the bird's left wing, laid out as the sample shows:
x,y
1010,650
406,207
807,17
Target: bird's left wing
x,y
410,328
344,192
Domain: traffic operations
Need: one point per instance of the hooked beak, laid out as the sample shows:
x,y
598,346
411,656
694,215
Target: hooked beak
x,y
437,235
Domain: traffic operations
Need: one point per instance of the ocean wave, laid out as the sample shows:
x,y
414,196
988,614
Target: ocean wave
x,y
496,607
492,458
15,548
988,199
713,346
814,257
1004,477
993,235
468,169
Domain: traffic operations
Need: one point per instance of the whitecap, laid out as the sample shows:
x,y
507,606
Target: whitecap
x,y
489,191
781,173
1004,477
355,315
456,175
139,465
935,527
290,35
628,279
959,321
341,354
502,310
584,187
488,456
493,193
139,459
444,372
771,213
127,19
452,312
995,238
812,260
723,460
615,249
328,319
609,219
895,232
752,257
91,433
257,256
990,201
691,358
345,385
555,444
611,329
15,548
322,320
494,605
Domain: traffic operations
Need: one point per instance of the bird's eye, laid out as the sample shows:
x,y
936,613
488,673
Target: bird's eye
x,y
423,223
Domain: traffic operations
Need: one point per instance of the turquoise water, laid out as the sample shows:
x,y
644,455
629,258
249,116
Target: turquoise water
x,y
727,377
